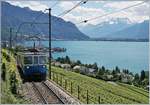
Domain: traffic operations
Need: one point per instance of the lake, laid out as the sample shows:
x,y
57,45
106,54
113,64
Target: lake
x,y
128,55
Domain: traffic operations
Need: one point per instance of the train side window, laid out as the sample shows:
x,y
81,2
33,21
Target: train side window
x,y
35,59
28,60
42,60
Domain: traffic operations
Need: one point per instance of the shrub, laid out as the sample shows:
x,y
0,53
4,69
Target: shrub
x,y
3,74
6,56
13,83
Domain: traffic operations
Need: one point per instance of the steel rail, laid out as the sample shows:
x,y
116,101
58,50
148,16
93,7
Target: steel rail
x,y
39,93
44,84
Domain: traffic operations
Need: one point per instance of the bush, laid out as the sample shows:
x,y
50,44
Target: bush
x,y
6,56
77,71
3,74
13,83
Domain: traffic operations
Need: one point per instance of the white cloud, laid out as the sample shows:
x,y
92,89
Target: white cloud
x,y
84,12
80,13
65,5
34,5
120,5
135,14
75,19
89,11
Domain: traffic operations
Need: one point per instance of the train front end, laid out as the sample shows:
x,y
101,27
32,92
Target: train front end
x,y
34,67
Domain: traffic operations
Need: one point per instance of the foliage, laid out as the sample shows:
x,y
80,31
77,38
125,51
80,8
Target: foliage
x,y
12,80
6,56
13,83
126,71
3,74
142,75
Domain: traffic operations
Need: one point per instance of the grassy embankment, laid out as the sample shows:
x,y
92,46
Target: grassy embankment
x,y
10,80
100,91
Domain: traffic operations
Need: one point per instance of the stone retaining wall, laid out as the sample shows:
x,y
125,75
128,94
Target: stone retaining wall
x,y
65,97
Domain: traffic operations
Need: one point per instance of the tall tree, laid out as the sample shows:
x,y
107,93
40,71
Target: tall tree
x,y
103,68
78,62
142,75
95,66
3,74
67,60
100,73
137,77
117,69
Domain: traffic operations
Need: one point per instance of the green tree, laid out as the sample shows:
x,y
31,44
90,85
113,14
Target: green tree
x,y
67,60
113,72
142,75
13,83
100,73
78,62
95,66
136,77
103,69
126,71
3,74
117,69
6,56
131,73
136,81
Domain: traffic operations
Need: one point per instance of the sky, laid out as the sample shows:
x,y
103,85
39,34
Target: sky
x,y
91,9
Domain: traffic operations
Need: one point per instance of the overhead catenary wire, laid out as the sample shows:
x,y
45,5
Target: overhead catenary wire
x,y
53,6
26,23
33,25
36,28
45,11
39,15
67,11
107,14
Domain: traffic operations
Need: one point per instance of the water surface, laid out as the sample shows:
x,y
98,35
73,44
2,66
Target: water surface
x,y
128,55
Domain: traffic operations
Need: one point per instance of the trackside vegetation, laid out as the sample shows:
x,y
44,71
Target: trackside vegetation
x,y
90,90
10,80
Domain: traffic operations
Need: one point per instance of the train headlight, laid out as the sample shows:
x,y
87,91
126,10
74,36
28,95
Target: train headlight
x,y
43,66
27,67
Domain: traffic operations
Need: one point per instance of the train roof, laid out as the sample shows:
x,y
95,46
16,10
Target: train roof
x,y
32,53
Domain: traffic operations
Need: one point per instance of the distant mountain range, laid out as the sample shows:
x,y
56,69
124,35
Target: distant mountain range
x,y
120,28
13,16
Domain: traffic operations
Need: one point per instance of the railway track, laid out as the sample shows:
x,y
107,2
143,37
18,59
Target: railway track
x,y
39,93
45,94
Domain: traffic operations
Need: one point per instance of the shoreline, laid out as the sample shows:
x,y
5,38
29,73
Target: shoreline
x,y
101,40
99,65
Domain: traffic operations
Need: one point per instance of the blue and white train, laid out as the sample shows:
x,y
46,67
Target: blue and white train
x,y
32,65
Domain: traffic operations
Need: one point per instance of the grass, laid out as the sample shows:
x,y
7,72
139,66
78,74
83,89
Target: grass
x,y
108,93
7,97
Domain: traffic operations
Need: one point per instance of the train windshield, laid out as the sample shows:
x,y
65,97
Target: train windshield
x,y
35,59
28,60
42,60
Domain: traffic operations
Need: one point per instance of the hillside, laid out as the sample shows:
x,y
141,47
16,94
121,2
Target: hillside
x,y
8,81
107,92
13,16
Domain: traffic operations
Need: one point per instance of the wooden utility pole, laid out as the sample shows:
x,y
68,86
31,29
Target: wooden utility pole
x,y
49,42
